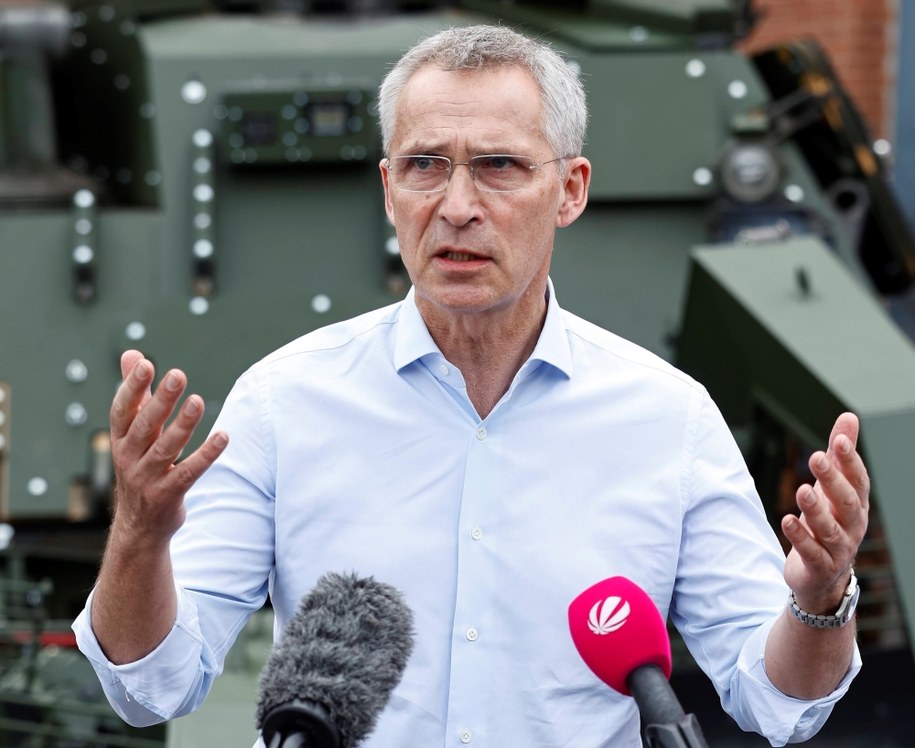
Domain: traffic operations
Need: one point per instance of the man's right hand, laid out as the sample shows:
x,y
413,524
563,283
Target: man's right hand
x,y
134,603
151,484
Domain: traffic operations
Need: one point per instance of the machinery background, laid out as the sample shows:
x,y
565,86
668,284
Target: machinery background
x,y
199,179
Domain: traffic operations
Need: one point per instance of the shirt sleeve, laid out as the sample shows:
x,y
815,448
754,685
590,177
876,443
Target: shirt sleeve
x,y
782,718
222,559
730,586
160,685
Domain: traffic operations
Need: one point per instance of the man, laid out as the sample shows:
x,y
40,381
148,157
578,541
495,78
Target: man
x,y
480,449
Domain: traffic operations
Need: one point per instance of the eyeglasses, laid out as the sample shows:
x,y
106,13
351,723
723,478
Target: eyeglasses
x,y
490,172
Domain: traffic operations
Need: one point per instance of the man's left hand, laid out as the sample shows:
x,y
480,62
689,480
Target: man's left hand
x,y
833,520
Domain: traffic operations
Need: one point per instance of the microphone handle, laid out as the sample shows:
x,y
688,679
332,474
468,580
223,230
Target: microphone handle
x,y
685,734
666,725
656,699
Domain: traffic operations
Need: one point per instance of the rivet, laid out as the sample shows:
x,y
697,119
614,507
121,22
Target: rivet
x,y
638,34
76,371
203,249
702,176
76,414
203,138
737,89
321,303
695,68
203,193
193,92
83,254
135,331
794,193
198,306
84,199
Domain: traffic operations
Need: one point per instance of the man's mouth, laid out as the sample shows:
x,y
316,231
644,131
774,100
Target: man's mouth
x,y
459,256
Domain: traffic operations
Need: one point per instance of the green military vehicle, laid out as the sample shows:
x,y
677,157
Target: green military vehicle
x,y
199,179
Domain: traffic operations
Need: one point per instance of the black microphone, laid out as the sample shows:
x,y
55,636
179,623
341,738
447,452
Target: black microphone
x,y
339,659
621,636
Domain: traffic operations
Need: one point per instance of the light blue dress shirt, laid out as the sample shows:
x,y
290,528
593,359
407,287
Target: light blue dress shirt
x,y
355,448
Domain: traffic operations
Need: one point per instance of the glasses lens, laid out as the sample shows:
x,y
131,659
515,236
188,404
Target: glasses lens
x,y
502,173
420,173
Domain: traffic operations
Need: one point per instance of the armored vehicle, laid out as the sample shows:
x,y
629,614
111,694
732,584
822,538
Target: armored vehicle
x,y
199,179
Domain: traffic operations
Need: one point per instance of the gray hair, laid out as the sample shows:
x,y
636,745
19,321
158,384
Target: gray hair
x,y
565,110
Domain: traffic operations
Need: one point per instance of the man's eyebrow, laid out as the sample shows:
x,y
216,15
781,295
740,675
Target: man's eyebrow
x,y
430,149
442,150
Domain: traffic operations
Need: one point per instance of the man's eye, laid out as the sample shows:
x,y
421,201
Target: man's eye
x,y
498,163
425,163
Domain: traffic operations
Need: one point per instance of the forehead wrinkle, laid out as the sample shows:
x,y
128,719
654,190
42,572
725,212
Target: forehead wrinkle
x,y
460,121
473,139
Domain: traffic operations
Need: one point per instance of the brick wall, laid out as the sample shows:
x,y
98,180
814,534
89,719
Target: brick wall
x,y
859,37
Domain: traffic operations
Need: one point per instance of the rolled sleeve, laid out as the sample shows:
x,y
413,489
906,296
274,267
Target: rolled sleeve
x,y
166,683
781,718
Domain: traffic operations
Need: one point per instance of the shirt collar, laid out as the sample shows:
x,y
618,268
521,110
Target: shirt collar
x,y
414,340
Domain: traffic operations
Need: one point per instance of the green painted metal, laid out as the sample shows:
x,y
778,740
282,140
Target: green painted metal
x,y
786,328
231,161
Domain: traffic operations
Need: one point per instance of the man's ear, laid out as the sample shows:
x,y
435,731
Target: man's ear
x,y
575,182
385,176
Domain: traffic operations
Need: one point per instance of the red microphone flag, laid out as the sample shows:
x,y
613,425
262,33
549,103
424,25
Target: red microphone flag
x,y
616,628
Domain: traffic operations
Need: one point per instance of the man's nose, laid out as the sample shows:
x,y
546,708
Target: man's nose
x,y
460,200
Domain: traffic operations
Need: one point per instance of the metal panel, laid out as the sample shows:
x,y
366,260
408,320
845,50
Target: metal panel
x,y
785,327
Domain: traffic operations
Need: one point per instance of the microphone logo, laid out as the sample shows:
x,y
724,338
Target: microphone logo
x,y
608,615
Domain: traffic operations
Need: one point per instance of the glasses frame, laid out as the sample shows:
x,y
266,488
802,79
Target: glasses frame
x,y
534,166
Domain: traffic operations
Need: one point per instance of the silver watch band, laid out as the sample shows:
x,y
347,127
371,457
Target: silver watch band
x,y
841,617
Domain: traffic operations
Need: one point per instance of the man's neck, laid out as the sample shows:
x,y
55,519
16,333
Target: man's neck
x,y
489,348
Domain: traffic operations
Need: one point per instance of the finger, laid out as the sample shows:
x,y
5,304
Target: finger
x,y
843,496
129,359
846,425
151,418
820,521
166,449
849,462
807,547
133,392
185,473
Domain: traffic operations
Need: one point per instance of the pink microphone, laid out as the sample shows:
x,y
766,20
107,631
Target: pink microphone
x,y
621,636
616,628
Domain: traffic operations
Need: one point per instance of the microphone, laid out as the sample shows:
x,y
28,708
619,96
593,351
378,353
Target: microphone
x,y
339,659
619,633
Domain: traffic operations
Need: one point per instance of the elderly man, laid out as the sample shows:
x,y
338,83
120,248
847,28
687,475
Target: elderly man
x,y
484,451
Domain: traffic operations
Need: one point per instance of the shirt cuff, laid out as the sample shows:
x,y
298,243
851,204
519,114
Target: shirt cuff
x,y
154,688
783,719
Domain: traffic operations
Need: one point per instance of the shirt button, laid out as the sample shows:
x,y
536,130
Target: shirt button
x,y
476,533
444,370
481,433
472,634
466,736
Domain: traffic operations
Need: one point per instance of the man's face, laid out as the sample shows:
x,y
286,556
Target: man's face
x,y
467,250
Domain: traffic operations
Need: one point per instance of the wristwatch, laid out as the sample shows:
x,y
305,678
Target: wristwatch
x,y
836,621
